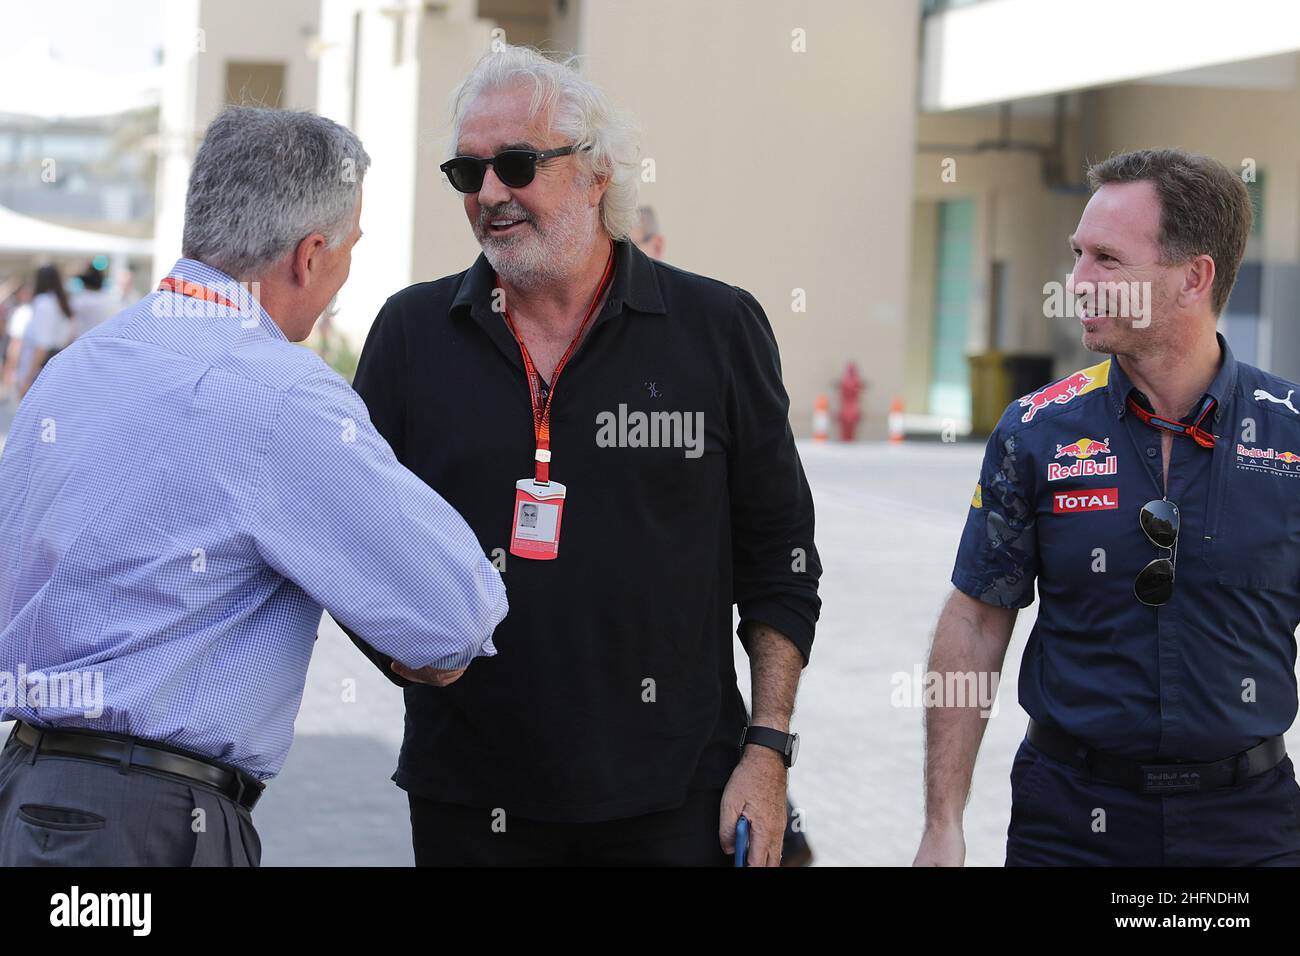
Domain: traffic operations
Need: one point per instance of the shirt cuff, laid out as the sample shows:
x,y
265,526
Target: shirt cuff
x,y
791,624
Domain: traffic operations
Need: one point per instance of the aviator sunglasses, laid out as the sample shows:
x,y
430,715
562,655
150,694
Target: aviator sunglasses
x,y
1154,585
515,167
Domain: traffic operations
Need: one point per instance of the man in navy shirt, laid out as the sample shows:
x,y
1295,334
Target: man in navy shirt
x,y
1153,497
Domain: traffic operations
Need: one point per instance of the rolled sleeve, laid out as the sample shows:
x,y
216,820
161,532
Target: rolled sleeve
x,y
392,562
997,560
775,563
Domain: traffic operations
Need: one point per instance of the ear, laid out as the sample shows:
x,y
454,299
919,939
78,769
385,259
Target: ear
x,y
1198,281
596,191
306,258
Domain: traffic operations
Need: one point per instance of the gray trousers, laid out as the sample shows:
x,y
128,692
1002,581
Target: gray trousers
x,y
71,811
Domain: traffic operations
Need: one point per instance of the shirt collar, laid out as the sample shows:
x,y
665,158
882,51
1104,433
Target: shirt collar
x,y
240,293
633,284
1118,385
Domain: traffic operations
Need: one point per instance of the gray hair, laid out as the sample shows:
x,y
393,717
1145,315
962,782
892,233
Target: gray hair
x,y
576,107
265,179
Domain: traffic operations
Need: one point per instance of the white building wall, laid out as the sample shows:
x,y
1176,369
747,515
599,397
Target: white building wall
x,y
413,222
200,37
1001,50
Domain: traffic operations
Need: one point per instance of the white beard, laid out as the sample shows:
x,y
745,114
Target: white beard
x,y
542,258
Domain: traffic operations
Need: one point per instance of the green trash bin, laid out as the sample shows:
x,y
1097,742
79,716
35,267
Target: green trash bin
x,y
989,387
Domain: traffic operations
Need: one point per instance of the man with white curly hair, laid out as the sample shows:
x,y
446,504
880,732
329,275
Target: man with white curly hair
x,y
615,432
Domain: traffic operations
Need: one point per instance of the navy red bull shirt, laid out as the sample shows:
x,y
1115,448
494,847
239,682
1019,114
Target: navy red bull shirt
x,y
1065,476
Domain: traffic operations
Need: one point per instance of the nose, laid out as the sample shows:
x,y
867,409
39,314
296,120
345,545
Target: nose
x,y
1083,277
1084,270
493,192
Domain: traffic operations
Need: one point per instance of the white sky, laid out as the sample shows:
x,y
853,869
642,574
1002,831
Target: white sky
x,y
107,35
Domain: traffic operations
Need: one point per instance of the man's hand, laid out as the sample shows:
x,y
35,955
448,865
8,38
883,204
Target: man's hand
x,y
942,846
756,789
427,675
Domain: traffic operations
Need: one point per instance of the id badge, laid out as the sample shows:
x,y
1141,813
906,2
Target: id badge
x,y
535,532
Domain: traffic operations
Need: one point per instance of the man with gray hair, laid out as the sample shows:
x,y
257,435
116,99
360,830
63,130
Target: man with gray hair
x,y
185,490
615,431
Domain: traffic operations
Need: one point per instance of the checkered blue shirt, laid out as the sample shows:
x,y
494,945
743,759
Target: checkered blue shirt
x,y
181,493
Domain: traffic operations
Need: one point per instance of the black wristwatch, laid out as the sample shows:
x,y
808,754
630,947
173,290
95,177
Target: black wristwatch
x,y
787,745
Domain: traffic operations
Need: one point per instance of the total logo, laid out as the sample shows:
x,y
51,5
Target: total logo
x,y
1095,499
1085,452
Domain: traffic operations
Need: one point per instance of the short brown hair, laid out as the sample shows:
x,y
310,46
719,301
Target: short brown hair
x,y
1204,208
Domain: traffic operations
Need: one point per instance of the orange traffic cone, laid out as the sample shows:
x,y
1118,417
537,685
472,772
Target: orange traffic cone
x,y
896,421
821,424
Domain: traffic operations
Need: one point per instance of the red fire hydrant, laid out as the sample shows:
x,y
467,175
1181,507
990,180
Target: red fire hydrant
x,y
850,412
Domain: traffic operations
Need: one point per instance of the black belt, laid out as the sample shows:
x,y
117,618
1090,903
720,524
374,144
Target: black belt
x,y
1153,777
130,752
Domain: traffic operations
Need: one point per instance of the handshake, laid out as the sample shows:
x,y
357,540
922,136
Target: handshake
x,y
399,673
426,675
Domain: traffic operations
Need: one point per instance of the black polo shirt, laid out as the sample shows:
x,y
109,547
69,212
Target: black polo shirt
x,y
614,689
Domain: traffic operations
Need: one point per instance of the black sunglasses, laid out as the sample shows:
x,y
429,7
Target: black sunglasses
x,y
1155,583
515,167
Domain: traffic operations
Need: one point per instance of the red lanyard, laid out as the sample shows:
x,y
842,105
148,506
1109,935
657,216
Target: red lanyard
x,y
1194,431
542,412
194,291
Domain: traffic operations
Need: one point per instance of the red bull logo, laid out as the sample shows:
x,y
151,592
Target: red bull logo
x,y
1084,448
1083,451
1267,454
1095,499
1058,393
1282,463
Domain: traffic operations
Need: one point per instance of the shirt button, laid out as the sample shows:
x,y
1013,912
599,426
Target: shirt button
x,y
1151,453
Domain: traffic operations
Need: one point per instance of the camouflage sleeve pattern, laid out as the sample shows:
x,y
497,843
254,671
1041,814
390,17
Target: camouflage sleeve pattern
x,y
998,556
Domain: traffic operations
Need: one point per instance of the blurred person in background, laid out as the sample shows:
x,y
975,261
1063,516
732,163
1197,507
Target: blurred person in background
x,y
94,304
645,235
17,313
185,489
124,287
610,730
49,329
9,290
